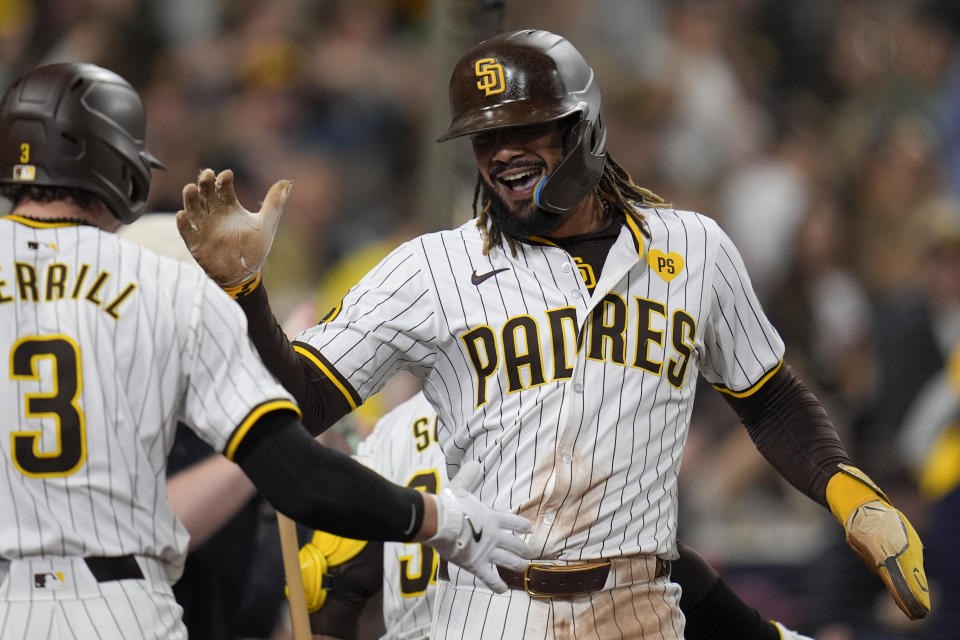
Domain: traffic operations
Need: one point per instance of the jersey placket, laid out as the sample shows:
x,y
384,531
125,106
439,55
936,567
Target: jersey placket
x,y
571,412
622,258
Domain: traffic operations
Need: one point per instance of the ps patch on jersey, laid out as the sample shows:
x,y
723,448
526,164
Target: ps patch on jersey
x,y
667,265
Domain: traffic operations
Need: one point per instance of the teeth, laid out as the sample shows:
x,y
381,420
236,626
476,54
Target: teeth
x,y
519,177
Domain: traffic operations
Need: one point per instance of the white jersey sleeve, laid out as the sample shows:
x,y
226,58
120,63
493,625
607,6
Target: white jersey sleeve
x,y
742,348
385,323
228,386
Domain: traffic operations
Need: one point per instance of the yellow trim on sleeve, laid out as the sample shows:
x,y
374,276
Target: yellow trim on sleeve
x,y
333,378
251,419
751,390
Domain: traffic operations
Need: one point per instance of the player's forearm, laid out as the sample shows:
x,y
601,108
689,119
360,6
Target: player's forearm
x,y
326,489
206,495
319,401
793,431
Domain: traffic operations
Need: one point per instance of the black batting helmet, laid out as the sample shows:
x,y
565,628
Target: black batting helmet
x,y
530,77
77,125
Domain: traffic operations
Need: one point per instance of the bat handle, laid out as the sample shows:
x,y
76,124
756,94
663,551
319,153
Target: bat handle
x,y
290,547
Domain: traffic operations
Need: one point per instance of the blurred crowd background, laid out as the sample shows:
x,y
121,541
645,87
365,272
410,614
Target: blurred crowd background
x,y
824,136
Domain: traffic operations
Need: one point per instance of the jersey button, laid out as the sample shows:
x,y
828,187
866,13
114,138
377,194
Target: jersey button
x,y
567,458
565,267
548,517
578,387
576,293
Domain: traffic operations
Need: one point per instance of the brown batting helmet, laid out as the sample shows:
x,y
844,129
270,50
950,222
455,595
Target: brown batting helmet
x,y
530,77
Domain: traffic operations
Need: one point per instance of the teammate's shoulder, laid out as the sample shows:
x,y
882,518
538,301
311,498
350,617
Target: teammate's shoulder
x,y
396,425
160,250
406,412
157,232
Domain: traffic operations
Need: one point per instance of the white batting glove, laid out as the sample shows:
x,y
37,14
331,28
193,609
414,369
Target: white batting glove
x,y
474,536
229,242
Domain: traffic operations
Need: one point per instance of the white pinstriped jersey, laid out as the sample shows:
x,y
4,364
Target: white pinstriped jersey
x,y
584,440
403,448
107,345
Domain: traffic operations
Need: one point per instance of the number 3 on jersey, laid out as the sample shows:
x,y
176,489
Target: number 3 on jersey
x,y
60,404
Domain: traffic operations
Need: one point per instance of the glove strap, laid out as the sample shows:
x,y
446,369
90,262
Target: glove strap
x,y
850,488
237,291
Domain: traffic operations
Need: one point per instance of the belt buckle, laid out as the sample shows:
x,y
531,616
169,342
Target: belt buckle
x,y
526,580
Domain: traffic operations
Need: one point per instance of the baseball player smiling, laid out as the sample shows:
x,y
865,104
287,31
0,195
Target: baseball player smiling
x,y
559,336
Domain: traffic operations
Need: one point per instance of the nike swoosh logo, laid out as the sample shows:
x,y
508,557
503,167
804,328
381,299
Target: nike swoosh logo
x,y
477,278
476,534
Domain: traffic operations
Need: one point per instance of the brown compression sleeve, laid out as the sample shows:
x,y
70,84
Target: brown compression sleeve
x,y
793,432
320,401
323,488
694,575
712,609
349,586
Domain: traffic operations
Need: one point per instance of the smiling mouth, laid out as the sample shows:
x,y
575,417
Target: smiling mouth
x,y
520,182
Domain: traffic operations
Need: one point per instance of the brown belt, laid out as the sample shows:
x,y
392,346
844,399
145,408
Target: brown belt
x,y
549,580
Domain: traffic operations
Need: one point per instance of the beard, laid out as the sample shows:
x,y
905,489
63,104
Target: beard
x,y
531,220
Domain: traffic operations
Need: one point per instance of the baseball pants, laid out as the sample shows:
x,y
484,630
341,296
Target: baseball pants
x,y
635,603
58,598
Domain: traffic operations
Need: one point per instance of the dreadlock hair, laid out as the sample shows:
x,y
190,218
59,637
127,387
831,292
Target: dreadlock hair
x,y
616,190
619,192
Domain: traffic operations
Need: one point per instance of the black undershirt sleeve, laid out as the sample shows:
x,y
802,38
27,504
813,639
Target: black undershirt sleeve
x,y
793,432
319,399
323,488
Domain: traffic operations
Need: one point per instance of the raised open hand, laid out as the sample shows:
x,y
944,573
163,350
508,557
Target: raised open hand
x,y
229,242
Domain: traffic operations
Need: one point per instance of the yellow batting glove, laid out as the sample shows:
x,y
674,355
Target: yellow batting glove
x,y
882,537
324,550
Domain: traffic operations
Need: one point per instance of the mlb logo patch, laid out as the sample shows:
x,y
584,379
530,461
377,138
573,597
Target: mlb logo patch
x,y
51,580
24,173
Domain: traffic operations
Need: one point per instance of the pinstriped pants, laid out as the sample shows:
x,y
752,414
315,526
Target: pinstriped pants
x,y
631,606
55,598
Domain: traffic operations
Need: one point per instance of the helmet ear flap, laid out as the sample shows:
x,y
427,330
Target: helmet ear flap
x,y
598,135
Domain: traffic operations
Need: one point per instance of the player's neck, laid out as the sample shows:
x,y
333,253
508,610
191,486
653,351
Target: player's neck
x,y
97,214
587,217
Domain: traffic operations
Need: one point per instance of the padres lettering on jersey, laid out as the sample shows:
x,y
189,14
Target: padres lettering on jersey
x,y
576,402
610,320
